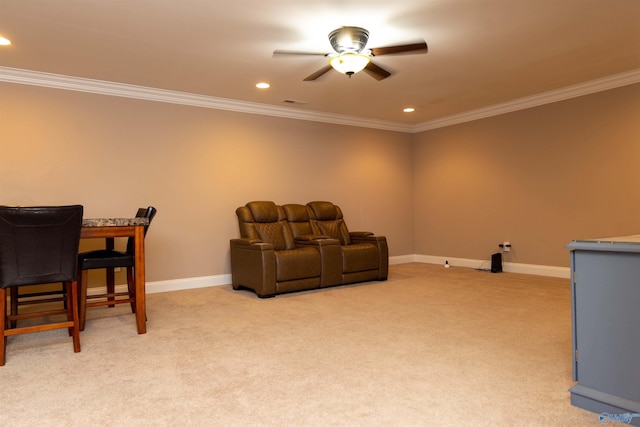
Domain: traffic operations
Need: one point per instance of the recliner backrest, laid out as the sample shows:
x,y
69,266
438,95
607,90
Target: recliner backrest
x,y
39,244
299,220
265,221
326,218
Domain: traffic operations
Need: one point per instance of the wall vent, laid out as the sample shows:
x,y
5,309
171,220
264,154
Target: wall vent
x,y
294,101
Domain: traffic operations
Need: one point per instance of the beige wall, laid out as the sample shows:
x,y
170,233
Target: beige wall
x,y
538,178
196,165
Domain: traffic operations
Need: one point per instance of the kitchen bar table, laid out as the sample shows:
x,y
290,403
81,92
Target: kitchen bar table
x,y
109,228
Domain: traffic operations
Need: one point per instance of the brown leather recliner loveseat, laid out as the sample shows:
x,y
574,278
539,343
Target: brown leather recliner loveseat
x,y
299,247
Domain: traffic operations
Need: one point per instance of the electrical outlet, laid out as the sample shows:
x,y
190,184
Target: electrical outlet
x,y
505,246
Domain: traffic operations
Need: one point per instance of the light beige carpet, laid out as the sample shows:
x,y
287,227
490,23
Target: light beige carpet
x,y
429,347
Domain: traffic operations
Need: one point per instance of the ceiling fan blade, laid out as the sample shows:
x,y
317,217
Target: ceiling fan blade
x,y
376,72
298,52
318,73
420,47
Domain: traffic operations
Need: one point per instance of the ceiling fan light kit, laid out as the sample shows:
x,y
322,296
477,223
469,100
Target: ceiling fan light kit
x,y
350,55
349,63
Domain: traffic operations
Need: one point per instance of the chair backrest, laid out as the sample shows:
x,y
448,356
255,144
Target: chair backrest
x,y
265,221
149,213
298,218
326,218
39,244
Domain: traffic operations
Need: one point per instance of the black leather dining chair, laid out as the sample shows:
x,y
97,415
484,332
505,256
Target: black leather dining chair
x,y
110,259
39,245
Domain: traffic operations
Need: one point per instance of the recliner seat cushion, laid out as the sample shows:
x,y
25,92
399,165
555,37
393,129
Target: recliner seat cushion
x,y
300,263
360,257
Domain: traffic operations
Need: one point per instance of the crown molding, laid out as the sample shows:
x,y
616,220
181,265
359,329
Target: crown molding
x,y
574,91
80,84
58,81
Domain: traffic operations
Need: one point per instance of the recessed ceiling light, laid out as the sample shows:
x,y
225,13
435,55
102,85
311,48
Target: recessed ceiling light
x,y
263,85
409,110
4,41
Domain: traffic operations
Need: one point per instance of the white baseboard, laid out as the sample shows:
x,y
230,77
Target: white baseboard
x,y
174,285
225,279
507,267
188,283
402,259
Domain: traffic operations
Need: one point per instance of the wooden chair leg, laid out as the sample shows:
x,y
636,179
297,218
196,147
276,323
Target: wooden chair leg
x,y
66,288
111,280
131,285
81,298
13,295
111,285
72,313
3,320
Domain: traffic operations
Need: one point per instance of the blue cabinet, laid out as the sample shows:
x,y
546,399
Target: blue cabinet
x,y
605,283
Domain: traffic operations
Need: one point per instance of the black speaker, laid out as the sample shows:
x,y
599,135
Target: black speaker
x,y
496,263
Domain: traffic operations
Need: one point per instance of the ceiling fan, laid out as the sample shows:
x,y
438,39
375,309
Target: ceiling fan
x,y
350,55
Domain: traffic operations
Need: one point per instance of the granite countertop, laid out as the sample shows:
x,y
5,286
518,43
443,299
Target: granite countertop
x,y
113,222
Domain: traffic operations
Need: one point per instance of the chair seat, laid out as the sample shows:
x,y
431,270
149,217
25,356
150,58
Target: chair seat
x,y
104,258
360,257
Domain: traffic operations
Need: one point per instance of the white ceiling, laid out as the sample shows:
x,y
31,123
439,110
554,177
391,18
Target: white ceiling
x,y
481,52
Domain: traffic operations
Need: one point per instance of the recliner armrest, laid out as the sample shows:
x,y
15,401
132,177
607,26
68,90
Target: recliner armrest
x,y
253,265
369,238
253,244
316,240
362,235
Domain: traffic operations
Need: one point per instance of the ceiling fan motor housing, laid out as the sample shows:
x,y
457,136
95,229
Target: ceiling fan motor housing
x,y
349,39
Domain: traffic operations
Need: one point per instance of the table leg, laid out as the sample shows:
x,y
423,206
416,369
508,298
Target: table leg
x,y
141,302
